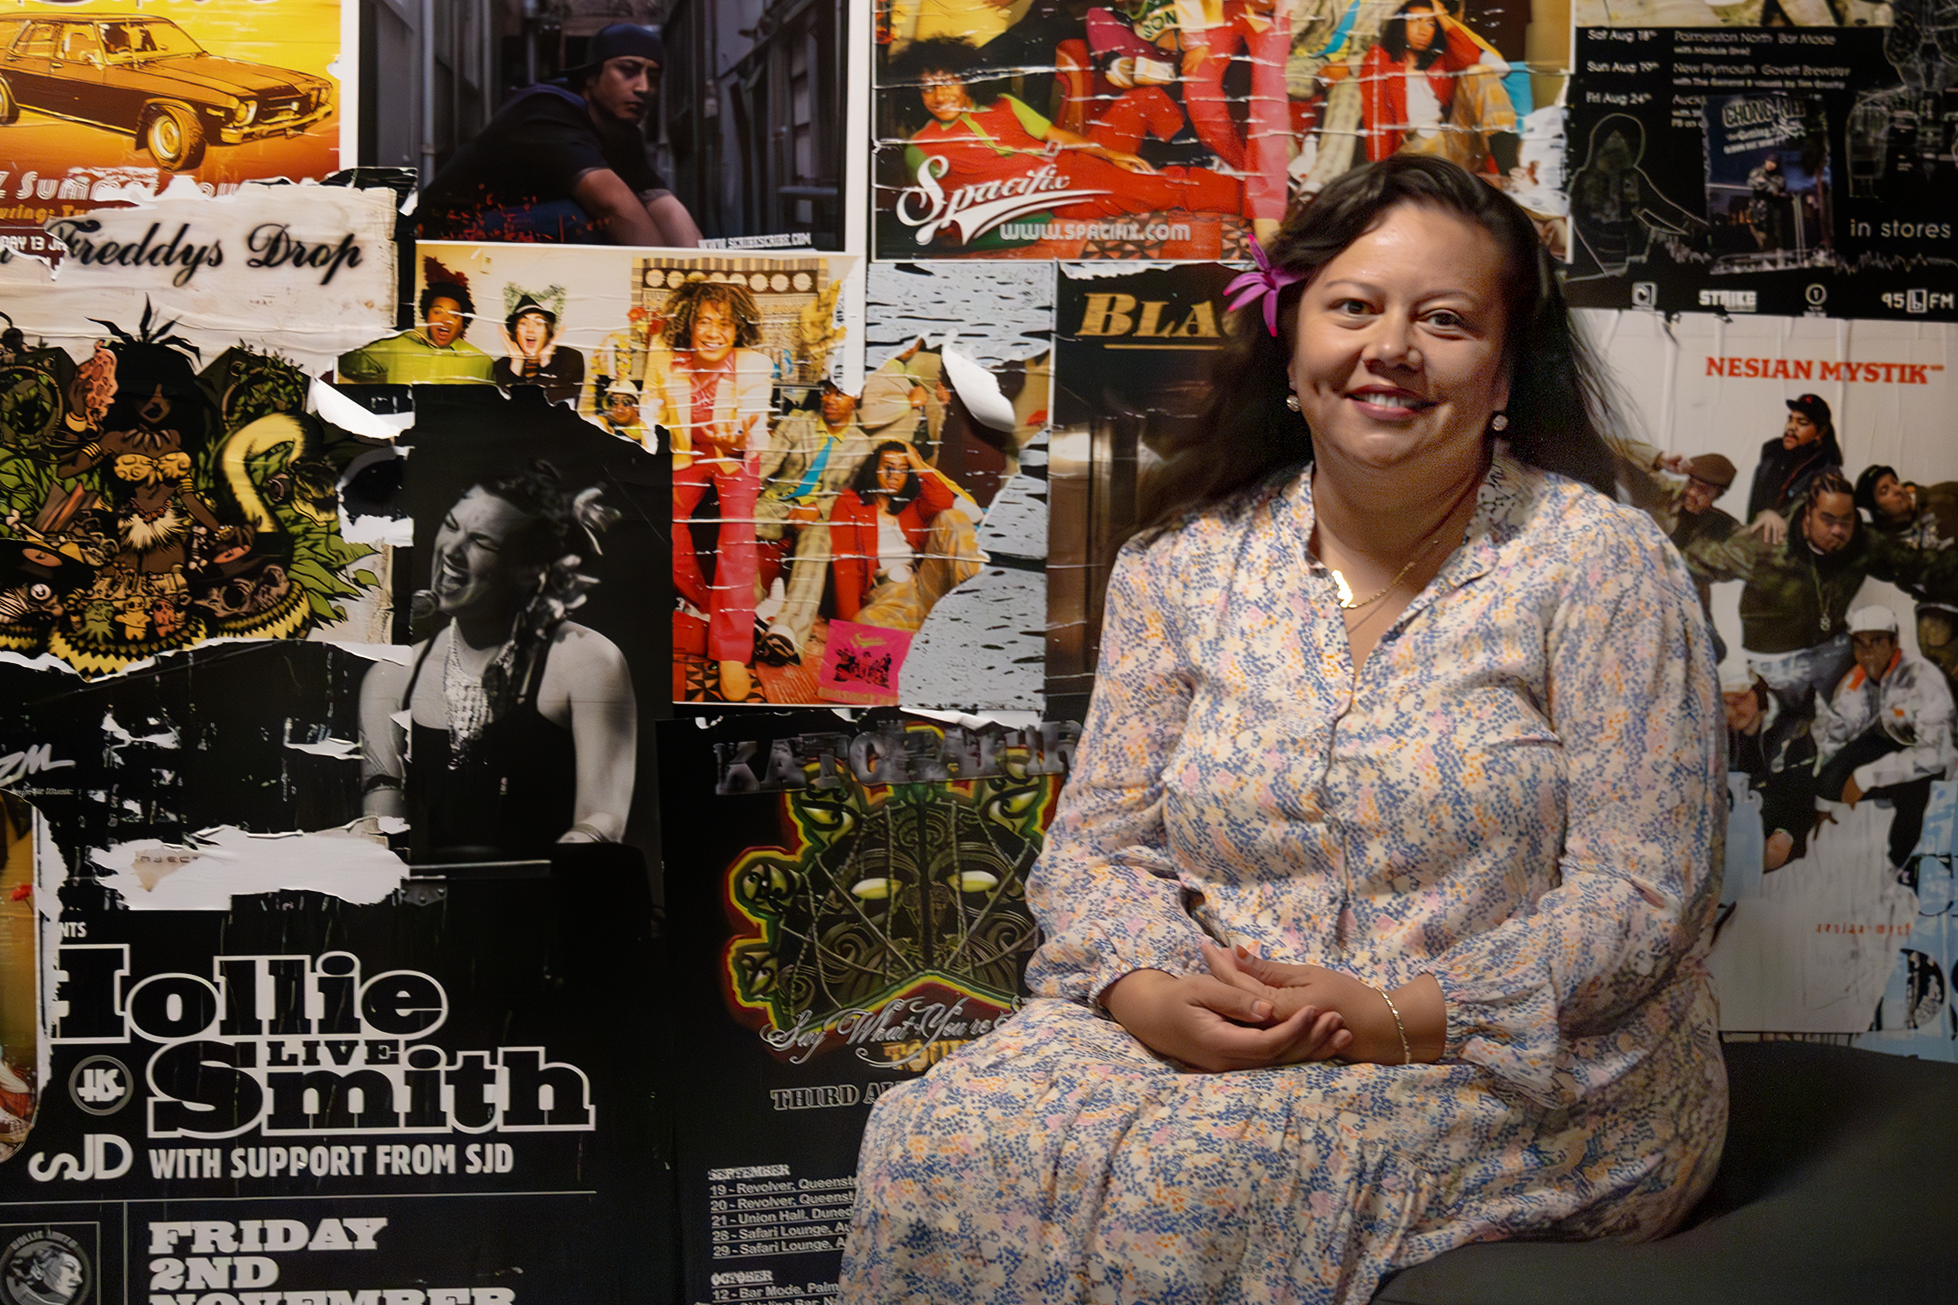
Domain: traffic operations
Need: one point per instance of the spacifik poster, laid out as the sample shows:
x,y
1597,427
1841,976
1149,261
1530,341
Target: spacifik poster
x,y
1815,502
848,905
1773,170
1133,357
1178,131
104,102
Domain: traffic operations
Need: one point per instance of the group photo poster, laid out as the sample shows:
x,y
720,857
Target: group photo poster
x,y
970,347
1783,170
847,908
1801,468
815,529
105,102
304,1094
1060,129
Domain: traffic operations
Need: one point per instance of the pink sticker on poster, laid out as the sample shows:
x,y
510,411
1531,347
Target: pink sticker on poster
x,y
861,663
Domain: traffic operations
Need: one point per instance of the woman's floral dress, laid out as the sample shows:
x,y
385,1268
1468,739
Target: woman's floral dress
x,y
1522,794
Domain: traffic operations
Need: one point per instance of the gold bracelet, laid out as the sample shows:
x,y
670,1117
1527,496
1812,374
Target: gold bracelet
x,y
1407,1052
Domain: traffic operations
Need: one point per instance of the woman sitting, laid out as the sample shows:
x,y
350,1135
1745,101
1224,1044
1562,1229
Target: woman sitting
x,y
1377,905
897,543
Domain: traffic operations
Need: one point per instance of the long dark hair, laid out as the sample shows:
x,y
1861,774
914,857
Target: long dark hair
x,y
1559,395
1393,35
865,481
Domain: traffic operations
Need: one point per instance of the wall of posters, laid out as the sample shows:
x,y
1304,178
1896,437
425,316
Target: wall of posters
x,y
391,567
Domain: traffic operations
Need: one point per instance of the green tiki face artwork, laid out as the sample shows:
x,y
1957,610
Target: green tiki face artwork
x,y
893,920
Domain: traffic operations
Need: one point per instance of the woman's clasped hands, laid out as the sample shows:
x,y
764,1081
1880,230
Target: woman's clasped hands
x,y
1250,1013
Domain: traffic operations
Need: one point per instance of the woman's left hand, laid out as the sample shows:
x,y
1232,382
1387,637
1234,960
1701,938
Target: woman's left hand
x,y
1376,1039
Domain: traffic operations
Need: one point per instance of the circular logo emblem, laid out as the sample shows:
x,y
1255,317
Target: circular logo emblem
x,y
1817,294
45,1267
101,1085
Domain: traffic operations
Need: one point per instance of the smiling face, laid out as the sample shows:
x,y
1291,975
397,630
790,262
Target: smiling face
x,y
532,334
1799,431
838,407
473,571
713,331
1830,522
1398,351
445,321
944,95
623,88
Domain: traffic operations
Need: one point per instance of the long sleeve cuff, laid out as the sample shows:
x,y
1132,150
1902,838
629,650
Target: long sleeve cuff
x,y
1511,1031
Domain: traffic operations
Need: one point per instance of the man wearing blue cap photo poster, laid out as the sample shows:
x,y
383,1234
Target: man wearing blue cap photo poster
x,y
566,160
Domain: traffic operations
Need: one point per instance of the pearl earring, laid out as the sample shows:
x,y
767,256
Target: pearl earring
x,y
1499,422
1292,402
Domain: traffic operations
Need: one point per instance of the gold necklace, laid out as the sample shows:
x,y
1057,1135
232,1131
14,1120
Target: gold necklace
x,y
1346,603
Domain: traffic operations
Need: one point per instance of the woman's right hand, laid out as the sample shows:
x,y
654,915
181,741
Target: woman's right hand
x,y
1211,1025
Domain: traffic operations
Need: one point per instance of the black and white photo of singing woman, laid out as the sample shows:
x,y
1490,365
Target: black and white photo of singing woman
x,y
512,727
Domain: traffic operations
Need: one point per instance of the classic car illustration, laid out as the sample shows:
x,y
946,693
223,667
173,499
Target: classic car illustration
x,y
147,77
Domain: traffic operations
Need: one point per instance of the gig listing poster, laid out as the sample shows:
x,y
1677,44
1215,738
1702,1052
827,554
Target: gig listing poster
x,y
847,905
1788,171
304,1097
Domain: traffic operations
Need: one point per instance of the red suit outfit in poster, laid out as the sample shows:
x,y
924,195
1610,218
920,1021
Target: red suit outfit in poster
x,y
1262,30
1468,102
854,542
1006,140
714,397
